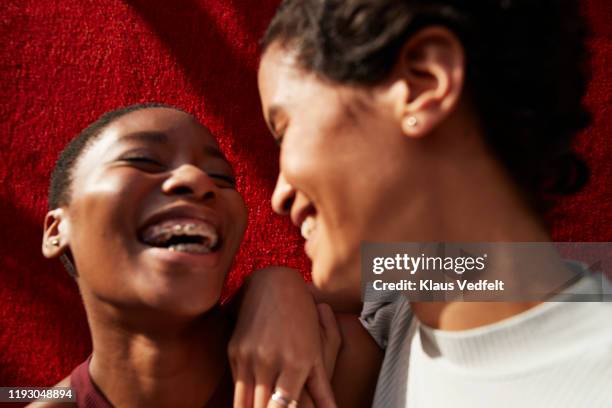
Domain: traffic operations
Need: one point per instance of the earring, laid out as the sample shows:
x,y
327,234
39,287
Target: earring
x,y
55,242
412,121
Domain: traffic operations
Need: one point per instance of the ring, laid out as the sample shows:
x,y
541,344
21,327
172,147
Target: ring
x,y
283,400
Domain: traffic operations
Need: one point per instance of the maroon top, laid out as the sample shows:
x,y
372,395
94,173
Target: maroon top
x,y
88,395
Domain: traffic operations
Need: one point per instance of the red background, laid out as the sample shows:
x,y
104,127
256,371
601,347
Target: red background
x,y
65,62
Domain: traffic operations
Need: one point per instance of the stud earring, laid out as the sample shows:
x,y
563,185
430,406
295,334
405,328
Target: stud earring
x,y
412,121
55,242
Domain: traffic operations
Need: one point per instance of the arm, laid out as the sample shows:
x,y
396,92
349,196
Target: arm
x,y
276,341
277,344
357,365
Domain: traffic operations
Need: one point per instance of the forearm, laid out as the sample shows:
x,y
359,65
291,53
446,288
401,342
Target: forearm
x,y
263,281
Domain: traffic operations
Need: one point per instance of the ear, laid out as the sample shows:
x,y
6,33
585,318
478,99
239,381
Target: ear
x,y
55,236
430,71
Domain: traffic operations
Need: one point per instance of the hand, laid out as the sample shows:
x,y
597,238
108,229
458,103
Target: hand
x,y
330,344
330,338
277,341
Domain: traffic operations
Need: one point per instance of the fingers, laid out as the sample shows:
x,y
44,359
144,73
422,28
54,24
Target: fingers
x,y
290,383
243,381
263,393
255,383
319,387
243,391
331,339
328,322
306,401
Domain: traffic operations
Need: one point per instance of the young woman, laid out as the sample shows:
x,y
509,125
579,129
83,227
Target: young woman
x,y
145,215
438,121
144,212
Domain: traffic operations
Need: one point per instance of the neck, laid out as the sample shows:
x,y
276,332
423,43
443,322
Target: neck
x,y
164,364
471,198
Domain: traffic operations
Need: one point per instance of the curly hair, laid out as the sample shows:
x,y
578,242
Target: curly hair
x,y
526,69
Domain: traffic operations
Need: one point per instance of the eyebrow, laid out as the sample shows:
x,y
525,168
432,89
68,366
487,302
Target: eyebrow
x,y
146,136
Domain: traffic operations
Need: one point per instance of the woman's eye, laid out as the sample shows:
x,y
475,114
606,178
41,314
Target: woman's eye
x,y
144,163
224,180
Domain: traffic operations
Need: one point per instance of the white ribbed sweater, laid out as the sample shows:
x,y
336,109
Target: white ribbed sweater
x,y
558,354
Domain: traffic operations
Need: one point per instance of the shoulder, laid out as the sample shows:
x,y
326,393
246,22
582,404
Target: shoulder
x,y
358,363
387,320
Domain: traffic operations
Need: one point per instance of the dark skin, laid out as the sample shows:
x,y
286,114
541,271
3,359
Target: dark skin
x,y
256,344
356,368
156,333
152,311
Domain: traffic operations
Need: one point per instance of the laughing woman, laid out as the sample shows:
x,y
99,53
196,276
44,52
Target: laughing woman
x,y
144,213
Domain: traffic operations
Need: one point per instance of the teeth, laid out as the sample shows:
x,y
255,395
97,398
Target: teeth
x,y
309,225
160,234
190,248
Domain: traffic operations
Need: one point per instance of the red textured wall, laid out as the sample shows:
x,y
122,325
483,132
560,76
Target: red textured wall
x,y
63,63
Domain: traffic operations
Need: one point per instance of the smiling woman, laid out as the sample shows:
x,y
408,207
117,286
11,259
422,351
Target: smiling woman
x,y
439,121
145,215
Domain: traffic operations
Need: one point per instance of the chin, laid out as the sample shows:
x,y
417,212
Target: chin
x,y
184,307
187,300
338,287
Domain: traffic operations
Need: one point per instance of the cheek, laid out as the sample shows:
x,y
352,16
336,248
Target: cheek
x,y
103,222
101,213
116,199
310,163
315,143
94,238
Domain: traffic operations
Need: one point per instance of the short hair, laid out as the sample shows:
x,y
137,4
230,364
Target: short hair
x,y
525,69
60,186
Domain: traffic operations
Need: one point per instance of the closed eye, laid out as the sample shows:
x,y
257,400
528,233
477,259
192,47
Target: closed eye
x,y
141,160
144,163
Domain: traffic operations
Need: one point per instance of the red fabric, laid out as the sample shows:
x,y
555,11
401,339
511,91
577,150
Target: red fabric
x,y
63,63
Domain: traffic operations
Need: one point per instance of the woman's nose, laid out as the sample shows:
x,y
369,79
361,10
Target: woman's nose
x,y
283,196
190,180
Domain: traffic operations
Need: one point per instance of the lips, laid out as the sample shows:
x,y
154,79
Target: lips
x,y
181,231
